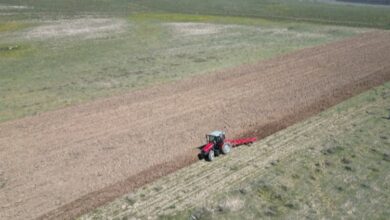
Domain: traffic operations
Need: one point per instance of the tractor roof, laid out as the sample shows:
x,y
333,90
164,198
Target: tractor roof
x,y
216,133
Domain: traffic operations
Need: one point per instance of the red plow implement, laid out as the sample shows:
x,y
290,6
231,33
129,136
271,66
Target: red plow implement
x,y
242,141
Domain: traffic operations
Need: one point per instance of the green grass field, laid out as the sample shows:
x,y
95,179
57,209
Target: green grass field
x,y
318,11
55,54
305,10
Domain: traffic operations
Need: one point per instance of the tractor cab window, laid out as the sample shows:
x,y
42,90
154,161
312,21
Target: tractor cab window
x,y
210,138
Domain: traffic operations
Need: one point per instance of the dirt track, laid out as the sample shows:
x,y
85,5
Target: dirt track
x,y
62,163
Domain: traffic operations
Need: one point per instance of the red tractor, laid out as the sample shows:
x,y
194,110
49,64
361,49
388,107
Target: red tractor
x,y
217,144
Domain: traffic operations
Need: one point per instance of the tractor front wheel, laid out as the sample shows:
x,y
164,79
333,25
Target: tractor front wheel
x,y
226,148
210,156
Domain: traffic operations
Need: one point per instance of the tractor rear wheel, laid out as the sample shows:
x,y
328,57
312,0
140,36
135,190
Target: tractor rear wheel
x,y
210,156
226,148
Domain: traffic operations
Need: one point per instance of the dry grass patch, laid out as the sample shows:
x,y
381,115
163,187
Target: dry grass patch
x,y
83,28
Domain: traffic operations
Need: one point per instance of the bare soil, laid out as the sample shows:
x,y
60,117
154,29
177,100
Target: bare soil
x,y
63,163
301,168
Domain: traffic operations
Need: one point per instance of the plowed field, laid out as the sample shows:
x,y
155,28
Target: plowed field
x,y
63,163
302,165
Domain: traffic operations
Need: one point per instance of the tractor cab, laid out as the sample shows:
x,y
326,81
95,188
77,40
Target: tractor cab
x,y
216,137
